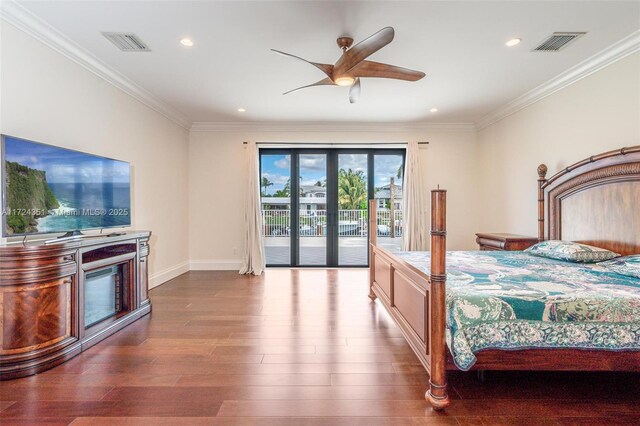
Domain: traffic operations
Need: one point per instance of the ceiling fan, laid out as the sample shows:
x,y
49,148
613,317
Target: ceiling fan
x,y
352,65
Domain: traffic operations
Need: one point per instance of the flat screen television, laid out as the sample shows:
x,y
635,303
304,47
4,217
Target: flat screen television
x,y
47,189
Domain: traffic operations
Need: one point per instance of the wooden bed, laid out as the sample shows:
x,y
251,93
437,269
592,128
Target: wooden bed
x,y
595,201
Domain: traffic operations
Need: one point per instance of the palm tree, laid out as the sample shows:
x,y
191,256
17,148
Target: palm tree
x,y
352,189
265,183
286,190
400,171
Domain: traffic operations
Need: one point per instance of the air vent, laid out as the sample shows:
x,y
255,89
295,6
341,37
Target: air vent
x,y
557,41
127,42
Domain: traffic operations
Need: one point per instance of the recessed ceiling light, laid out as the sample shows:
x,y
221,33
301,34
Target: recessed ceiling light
x,y
241,110
513,42
434,110
186,42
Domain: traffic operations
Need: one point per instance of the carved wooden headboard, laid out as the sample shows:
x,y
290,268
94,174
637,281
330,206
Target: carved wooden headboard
x,y
595,201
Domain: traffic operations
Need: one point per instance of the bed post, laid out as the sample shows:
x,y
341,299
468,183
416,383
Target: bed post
x,y
437,393
373,239
542,172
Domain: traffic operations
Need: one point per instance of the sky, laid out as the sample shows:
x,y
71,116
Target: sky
x,y
277,168
65,166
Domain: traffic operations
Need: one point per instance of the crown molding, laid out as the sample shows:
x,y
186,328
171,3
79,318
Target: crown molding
x,y
24,20
324,127
600,60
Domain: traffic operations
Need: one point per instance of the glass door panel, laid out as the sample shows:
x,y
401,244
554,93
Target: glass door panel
x,y
388,175
312,213
352,209
275,195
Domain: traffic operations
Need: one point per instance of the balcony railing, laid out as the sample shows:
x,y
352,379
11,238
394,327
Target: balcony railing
x,y
313,223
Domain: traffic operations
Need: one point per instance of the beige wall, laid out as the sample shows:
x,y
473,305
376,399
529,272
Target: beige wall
x,y
217,182
596,114
50,99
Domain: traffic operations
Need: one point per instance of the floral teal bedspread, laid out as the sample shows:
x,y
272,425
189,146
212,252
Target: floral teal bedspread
x,y
514,300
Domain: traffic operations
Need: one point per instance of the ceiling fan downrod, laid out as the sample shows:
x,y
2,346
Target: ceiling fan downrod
x,y
344,43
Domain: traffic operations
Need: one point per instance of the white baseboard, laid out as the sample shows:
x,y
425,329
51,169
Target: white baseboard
x,y
193,265
168,274
215,264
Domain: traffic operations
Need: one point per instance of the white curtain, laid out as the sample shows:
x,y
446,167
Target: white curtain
x,y
254,261
414,214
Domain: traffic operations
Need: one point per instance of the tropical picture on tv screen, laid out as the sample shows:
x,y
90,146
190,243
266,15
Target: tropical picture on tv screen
x,y
51,189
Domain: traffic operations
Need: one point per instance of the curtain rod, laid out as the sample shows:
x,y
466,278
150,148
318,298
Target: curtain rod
x,y
335,143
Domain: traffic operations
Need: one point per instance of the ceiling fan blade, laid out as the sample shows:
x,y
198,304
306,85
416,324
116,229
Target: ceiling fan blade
x,y
325,68
354,91
379,70
363,50
324,82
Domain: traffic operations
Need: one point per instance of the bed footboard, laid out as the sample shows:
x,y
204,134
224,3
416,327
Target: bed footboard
x,y
416,301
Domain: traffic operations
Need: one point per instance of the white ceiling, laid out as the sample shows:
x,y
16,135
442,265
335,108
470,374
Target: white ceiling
x,y
460,45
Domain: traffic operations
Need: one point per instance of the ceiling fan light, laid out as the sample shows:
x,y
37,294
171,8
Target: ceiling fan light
x,y
345,81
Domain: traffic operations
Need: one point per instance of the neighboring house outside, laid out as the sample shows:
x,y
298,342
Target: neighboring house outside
x,y
315,198
383,196
313,210
311,198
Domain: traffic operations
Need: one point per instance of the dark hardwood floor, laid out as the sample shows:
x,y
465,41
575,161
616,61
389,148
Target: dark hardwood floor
x,y
293,347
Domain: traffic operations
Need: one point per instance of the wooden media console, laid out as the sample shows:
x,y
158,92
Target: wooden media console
x,y
59,299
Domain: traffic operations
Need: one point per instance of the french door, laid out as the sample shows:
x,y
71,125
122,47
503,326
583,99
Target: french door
x,y
315,204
